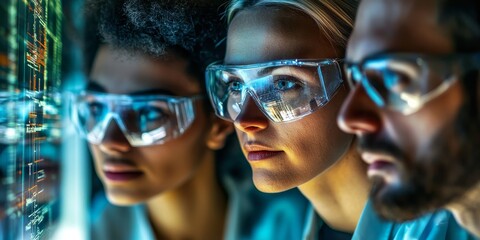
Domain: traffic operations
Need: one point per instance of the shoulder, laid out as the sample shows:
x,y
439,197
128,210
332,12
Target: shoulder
x,y
435,226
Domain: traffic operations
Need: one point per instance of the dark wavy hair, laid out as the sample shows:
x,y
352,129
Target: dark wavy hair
x,y
462,20
188,28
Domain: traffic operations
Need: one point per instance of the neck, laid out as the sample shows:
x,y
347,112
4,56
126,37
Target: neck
x,y
195,210
340,193
467,210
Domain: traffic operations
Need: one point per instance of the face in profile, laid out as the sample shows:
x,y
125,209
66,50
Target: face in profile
x,y
133,174
422,160
283,155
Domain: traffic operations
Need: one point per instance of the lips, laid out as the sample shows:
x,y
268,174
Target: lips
x,y
261,155
257,151
120,170
384,166
381,165
371,158
122,176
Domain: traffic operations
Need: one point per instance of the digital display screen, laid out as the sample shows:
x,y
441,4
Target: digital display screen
x,y
30,122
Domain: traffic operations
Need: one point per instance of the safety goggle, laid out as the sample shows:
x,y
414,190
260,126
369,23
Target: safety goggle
x,y
284,90
144,120
405,82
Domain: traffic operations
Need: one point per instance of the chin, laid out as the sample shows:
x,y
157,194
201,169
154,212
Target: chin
x,y
125,199
404,201
268,182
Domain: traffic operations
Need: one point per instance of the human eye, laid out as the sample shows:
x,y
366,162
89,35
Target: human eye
x,y
396,81
151,117
286,83
234,86
401,75
152,114
95,108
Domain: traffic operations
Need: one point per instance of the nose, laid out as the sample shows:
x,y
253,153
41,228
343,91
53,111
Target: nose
x,y
114,141
359,115
251,119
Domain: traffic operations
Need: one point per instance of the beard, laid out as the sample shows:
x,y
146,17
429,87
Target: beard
x,y
448,170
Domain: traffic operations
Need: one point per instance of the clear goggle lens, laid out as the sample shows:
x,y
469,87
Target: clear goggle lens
x,y
405,82
144,120
283,90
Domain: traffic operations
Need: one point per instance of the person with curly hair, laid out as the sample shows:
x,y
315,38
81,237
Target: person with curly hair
x,y
152,133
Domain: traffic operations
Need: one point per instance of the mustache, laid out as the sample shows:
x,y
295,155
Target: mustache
x,y
380,145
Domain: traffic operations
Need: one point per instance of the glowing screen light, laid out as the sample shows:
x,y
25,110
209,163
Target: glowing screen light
x,y
30,62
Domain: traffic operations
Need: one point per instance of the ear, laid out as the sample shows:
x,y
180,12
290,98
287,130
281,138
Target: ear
x,y
219,132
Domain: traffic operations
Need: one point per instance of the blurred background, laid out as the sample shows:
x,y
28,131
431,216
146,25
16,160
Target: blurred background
x,y
44,190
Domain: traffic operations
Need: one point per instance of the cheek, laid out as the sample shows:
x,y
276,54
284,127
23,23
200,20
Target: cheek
x,y
97,159
331,142
316,141
168,162
320,141
176,158
413,136
416,132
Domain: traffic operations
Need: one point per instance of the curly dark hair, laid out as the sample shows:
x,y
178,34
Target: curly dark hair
x,y
191,29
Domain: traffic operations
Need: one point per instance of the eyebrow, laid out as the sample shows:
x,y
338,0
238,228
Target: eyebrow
x,y
266,70
155,91
372,55
93,86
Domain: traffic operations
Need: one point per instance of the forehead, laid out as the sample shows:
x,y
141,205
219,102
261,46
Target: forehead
x,y
122,72
263,34
397,26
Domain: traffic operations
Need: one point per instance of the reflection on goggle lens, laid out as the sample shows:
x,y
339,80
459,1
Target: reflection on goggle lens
x,y
283,90
405,82
144,120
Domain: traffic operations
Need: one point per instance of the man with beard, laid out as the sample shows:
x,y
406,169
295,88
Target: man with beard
x,y
413,67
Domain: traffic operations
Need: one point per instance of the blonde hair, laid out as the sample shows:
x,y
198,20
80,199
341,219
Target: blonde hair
x,y
333,17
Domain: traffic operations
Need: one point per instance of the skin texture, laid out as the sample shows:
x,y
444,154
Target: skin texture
x,y
177,178
467,211
312,153
429,158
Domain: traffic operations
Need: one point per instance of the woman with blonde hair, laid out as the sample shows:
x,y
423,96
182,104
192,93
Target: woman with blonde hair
x,y
281,83
157,147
